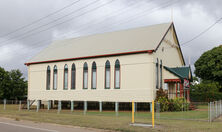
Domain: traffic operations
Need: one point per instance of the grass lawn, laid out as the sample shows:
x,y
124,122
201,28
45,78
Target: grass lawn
x,y
109,121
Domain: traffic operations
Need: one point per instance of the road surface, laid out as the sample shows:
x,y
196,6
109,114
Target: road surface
x,y
10,125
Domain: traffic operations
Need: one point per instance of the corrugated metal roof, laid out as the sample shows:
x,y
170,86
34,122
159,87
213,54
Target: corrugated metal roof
x,y
181,72
131,40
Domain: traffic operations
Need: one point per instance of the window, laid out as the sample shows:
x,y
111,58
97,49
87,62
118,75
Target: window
x,y
55,77
161,74
93,84
73,77
157,73
178,89
117,74
48,78
85,76
65,87
107,75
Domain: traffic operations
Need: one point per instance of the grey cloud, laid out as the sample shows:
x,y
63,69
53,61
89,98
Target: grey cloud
x,y
190,18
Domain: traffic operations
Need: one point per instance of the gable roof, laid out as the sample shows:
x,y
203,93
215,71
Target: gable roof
x,y
138,40
181,72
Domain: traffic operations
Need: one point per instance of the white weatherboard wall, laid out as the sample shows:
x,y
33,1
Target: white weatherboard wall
x,y
171,56
136,80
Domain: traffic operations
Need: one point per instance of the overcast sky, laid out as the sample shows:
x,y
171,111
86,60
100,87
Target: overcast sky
x,y
28,26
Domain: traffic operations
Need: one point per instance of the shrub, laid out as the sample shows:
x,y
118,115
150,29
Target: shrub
x,y
164,104
178,104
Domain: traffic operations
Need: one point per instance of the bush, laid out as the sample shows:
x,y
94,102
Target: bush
x,y
164,103
178,104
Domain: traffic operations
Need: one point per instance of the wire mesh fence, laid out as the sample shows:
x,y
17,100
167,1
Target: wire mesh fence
x,y
214,110
200,111
184,111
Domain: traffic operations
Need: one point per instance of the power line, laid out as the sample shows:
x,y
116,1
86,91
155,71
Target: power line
x,y
201,33
50,22
165,5
38,20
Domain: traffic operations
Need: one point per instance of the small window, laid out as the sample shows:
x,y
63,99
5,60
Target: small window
x,y
85,76
65,87
48,78
93,75
117,74
73,77
157,73
161,74
55,77
107,75
178,89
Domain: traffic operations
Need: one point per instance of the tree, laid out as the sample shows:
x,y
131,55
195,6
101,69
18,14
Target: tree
x,y
209,65
205,91
18,86
12,85
4,83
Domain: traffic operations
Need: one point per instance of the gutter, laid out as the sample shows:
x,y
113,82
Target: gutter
x,y
95,56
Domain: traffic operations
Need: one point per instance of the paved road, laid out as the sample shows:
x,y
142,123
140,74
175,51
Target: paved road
x,y
9,125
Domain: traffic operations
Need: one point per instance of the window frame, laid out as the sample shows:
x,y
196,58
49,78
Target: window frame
x,y
157,73
55,88
73,68
48,78
94,69
115,69
66,70
161,74
85,70
107,62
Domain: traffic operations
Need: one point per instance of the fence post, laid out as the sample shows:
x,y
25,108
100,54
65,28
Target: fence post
x,y
100,106
59,106
117,108
20,103
157,110
220,108
72,106
37,106
4,104
28,104
85,107
208,112
133,111
153,113
49,104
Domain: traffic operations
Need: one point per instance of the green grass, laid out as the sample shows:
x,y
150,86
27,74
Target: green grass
x,y
108,119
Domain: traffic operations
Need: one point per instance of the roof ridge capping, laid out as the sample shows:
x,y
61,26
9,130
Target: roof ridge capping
x,y
129,41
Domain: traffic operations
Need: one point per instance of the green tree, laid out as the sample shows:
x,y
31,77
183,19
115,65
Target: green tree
x,y
205,91
12,84
209,65
18,85
4,83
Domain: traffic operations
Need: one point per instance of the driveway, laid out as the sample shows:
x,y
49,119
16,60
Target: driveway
x,y
10,125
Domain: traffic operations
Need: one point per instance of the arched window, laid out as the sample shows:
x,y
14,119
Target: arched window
x,y
85,76
157,73
107,75
161,74
65,86
93,84
117,74
55,76
73,77
48,78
